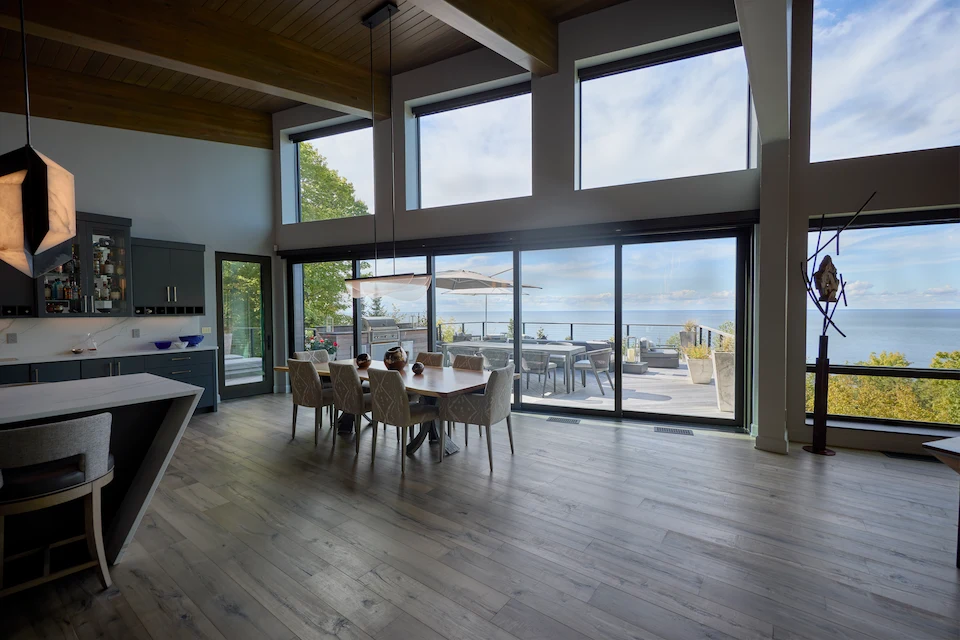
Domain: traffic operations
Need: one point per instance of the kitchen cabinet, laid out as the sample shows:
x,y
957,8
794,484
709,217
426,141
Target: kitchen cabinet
x,y
55,371
106,367
14,374
96,282
168,278
193,367
17,295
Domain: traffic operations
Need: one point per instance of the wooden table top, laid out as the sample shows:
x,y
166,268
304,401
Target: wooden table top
x,y
947,451
436,382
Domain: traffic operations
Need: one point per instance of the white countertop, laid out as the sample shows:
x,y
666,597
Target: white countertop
x,y
147,350
33,401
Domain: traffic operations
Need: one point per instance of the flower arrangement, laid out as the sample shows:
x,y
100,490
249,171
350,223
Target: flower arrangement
x,y
318,343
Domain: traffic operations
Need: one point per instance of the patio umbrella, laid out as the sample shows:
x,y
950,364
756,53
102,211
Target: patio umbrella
x,y
471,283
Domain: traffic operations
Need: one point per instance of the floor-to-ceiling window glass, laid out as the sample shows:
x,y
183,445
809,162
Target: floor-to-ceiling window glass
x,y
396,319
474,306
679,328
568,324
323,314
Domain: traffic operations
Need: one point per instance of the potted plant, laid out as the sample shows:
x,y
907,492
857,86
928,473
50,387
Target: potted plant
x,y
725,372
688,337
318,343
699,364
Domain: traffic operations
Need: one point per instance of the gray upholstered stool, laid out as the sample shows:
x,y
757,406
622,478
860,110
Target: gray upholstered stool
x,y
50,464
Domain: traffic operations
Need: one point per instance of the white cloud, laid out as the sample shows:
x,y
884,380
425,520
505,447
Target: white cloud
x,y
885,77
945,290
858,287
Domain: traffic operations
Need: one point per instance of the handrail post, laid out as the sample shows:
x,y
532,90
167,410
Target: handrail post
x,y
709,338
571,331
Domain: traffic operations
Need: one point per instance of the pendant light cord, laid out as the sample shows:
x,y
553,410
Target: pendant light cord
x,y
393,155
373,121
26,84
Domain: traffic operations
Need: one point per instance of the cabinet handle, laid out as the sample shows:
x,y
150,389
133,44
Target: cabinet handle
x,y
168,294
174,294
110,368
179,372
118,367
36,375
84,304
176,359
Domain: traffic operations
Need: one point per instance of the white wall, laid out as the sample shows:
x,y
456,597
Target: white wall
x,y
179,189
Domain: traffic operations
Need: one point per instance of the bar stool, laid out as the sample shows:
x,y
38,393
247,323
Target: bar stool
x,y
50,464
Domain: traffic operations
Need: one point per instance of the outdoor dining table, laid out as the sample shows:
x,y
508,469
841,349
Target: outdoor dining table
x,y
434,382
568,352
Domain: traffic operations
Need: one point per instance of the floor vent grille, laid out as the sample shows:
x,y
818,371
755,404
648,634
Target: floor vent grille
x,y
918,457
564,420
673,431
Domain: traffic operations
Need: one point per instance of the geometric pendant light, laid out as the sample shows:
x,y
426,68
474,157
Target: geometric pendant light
x,y
38,213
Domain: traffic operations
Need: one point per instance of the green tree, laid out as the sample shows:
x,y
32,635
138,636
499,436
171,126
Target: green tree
x,y
242,307
325,195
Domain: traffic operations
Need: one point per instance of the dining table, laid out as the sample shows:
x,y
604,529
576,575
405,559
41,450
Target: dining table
x,y
568,352
947,451
434,383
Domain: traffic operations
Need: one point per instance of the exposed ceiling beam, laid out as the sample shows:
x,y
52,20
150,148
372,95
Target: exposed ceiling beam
x,y
763,29
177,35
512,28
62,95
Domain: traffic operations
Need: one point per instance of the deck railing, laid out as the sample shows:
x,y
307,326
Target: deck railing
x,y
657,333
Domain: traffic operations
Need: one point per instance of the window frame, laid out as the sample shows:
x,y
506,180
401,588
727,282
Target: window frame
x,y
324,132
657,58
461,102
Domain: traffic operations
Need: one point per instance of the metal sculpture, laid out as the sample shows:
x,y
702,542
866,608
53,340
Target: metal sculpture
x,y
830,290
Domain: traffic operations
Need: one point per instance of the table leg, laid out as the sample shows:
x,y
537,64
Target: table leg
x,y
450,447
567,372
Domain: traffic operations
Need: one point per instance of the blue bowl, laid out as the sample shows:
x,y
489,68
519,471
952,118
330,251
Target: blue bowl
x,y
163,344
191,341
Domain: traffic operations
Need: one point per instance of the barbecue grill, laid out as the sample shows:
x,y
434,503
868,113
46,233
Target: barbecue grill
x,y
379,333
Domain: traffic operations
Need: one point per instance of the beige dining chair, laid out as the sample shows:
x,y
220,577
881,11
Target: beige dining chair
x,y
597,360
391,406
308,391
318,355
50,464
468,363
453,352
348,397
486,410
430,358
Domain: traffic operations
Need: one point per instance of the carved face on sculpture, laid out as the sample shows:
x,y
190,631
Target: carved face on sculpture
x,y
826,281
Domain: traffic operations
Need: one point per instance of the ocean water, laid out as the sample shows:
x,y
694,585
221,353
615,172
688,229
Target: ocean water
x,y
916,333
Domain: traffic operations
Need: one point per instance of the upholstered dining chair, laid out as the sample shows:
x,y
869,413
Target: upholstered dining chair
x,y
349,397
391,406
597,360
469,363
318,355
538,363
430,358
453,352
50,464
486,410
308,391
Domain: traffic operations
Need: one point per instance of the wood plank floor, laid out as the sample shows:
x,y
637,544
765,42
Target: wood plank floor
x,y
589,531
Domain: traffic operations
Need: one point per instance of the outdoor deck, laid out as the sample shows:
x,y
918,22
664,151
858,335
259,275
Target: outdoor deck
x,y
657,391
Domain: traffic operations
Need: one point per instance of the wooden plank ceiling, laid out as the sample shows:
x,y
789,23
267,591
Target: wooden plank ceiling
x,y
330,26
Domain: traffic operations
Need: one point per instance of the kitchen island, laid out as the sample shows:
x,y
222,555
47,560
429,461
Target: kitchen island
x,y
150,414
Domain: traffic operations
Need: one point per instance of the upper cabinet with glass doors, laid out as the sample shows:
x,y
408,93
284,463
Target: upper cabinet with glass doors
x,y
96,282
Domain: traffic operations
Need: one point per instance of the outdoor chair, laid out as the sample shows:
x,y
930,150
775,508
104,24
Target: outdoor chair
x,y
308,391
50,464
390,406
487,409
538,362
560,360
596,361
495,358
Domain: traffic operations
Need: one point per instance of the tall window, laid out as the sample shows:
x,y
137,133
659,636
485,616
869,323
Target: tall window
x,y
903,291
336,175
475,153
885,77
409,315
670,114
326,313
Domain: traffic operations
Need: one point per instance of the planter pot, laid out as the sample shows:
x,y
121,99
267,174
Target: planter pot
x,y
725,372
701,371
687,339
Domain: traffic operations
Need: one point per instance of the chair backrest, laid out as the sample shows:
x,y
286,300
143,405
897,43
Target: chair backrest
x,y
534,361
495,358
471,363
390,402
315,356
347,389
600,358
453,352
430,358
499,394
87,437
305,383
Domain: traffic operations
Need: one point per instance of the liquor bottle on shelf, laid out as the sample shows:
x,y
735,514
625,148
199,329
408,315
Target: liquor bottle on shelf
x,y
96,263
108,266
47,291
